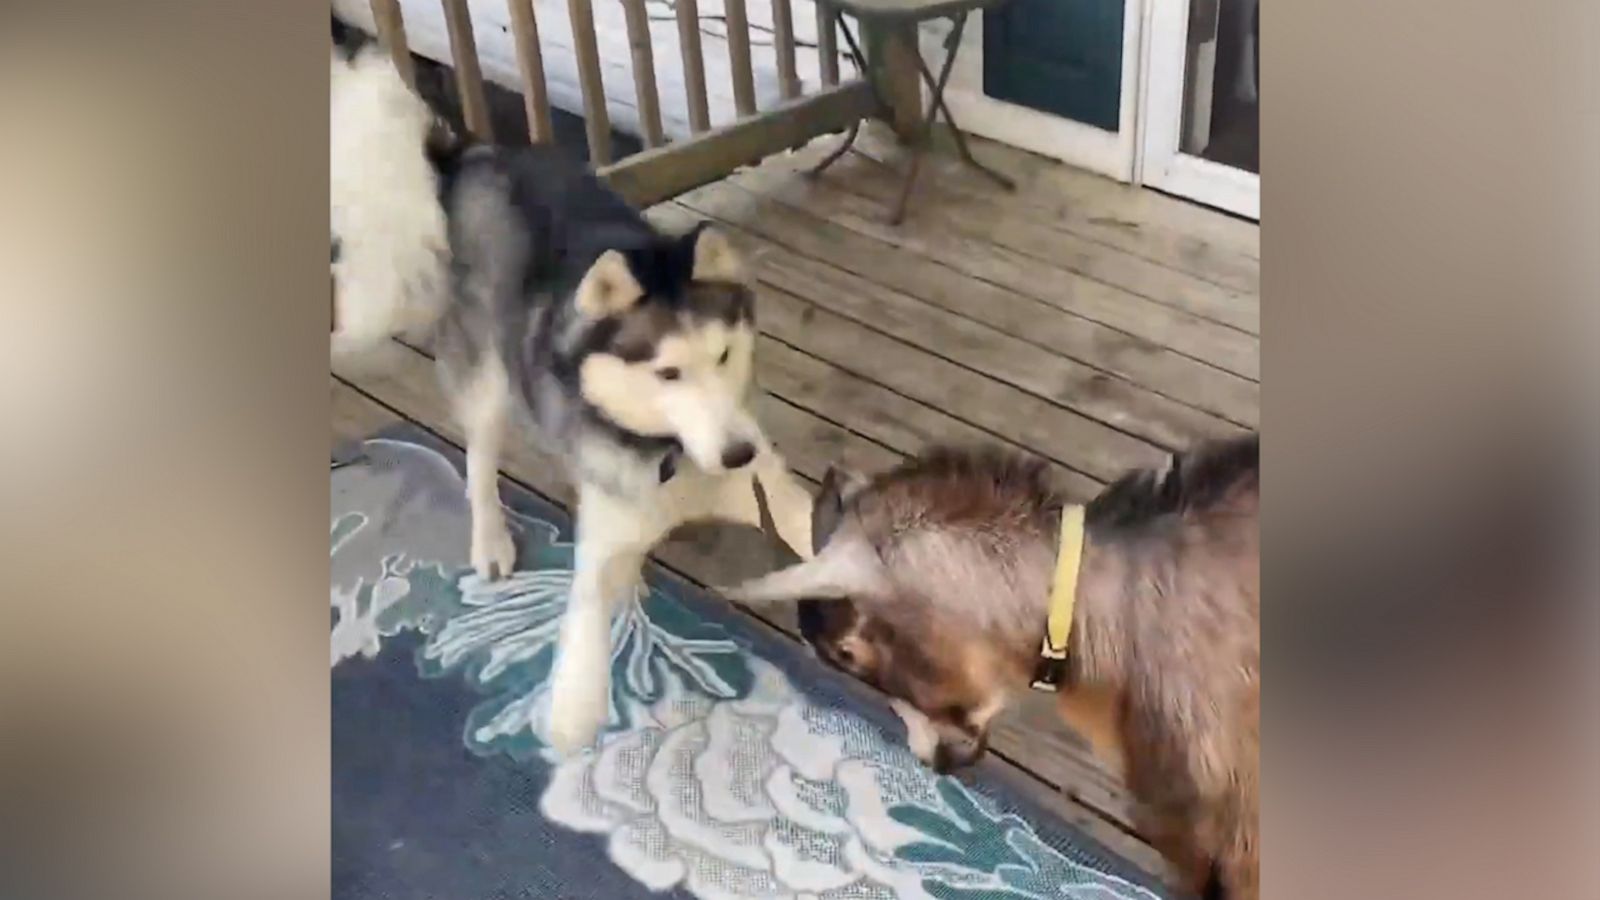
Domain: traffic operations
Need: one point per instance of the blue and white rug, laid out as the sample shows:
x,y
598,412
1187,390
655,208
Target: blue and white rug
x,y
734,765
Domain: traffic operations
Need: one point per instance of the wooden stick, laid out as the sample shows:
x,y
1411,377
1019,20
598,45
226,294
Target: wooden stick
x,y
744,81
783,44
827,42
392,33
595,120
644,72
694,65
535,93
469,78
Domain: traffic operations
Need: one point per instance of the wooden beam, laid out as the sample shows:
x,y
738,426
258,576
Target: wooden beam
x,y
644,72
694,65
783,46
744,80
595,120
469,77
535,93
391,27
891,49
659,174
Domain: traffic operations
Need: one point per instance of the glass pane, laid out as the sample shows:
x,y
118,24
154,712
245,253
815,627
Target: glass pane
x,y
1221,85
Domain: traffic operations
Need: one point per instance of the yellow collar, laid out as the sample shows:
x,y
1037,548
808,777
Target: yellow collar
x,y
1063,596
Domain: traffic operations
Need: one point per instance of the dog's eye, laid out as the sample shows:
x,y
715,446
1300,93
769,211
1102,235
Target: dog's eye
x,y
723,359
670,373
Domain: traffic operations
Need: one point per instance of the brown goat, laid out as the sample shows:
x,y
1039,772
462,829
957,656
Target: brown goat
x,y
932,583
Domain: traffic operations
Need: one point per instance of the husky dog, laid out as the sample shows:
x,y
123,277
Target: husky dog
x,y
932,583
550,301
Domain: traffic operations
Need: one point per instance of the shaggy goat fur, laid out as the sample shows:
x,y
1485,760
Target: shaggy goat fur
x,y
932,582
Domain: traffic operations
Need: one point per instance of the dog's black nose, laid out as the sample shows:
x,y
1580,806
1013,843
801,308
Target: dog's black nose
x,y
737,456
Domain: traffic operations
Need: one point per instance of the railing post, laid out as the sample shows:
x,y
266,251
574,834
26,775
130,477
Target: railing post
x,y
596,122
744,82
827,43
469,78
530,56
644,72
783,46
694,65
391,27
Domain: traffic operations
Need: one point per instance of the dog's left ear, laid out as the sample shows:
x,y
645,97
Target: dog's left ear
x,y
714,256
609,287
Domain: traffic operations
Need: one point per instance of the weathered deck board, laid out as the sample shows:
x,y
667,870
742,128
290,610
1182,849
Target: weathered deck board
x,y
989,216
848,218
1078,442
1084,322
1211,245
874,411
1138,385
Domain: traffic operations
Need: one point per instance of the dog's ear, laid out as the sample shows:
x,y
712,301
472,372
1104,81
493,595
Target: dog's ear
x,y
714,256
609,287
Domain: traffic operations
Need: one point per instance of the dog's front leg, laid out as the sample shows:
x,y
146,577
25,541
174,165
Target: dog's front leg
x,y
484,411
613,538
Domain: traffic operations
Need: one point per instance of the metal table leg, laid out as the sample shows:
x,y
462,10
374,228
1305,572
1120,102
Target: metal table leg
x,y
860,62
919,145
952,46
936,105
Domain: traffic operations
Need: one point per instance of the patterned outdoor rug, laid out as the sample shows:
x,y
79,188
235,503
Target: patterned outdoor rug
x,y
734,765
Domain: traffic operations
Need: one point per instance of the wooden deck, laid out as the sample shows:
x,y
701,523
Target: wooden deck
x,y
1089,323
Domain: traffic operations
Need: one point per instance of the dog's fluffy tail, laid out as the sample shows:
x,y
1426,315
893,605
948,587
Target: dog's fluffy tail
x,y
389,242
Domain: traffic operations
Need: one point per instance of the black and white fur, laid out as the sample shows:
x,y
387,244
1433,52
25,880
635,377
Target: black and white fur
x,y
551,301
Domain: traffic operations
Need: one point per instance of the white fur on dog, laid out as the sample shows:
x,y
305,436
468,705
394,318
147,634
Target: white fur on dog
x,y
391,276
615,534
703,407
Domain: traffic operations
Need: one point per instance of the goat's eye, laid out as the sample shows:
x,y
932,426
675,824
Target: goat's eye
x,y
671,373
723,359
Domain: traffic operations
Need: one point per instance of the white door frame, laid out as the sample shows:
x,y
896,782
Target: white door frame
x,y
1056,137
1158,161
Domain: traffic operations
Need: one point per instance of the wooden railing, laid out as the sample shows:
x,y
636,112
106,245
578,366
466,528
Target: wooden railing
x,y
678,154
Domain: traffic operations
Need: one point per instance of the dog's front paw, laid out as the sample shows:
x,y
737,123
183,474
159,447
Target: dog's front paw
x,y
580,686
574,727
576,718
494,553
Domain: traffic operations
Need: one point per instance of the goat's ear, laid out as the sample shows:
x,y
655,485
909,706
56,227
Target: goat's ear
x,y
848,569
827,511
608,287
